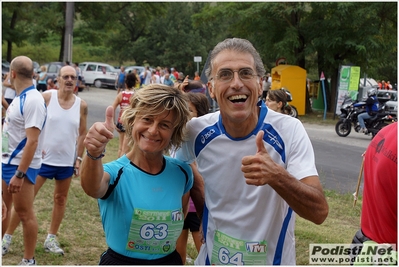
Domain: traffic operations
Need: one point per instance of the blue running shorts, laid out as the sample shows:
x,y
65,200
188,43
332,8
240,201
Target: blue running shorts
x,y
59,173
8,171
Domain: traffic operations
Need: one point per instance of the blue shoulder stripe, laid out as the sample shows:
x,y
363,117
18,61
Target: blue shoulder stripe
x,y
22,103
204,137
274,139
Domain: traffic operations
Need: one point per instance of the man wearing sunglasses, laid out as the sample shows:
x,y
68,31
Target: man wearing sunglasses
x,y
63,148
258,167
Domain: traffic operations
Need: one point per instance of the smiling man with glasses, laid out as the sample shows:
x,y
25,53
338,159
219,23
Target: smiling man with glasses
x,y
258,167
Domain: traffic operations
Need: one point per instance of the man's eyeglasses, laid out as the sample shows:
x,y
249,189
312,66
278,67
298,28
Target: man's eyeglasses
x,y
66,77
226,75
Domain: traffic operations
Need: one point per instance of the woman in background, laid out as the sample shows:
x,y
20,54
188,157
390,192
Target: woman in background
x,y
277,100
42,80
198,105
123,100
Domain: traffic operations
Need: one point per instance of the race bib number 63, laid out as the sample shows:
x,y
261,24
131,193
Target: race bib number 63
x,y
155,232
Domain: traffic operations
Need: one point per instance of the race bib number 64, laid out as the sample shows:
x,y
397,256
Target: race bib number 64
x,y
228,250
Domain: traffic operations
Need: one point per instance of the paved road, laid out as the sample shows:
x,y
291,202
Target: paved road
x,y
338,159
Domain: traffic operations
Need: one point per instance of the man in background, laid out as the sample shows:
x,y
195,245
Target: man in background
x,y
120,80
22,152
379,218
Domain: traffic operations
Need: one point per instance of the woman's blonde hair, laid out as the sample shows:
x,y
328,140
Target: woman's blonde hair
x,y
152,100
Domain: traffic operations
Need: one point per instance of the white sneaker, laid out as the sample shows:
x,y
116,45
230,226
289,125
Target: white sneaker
x,y
189,260
52,245
6,244
27,262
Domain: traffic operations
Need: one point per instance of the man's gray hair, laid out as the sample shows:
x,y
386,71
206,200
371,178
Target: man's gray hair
x,y
238,45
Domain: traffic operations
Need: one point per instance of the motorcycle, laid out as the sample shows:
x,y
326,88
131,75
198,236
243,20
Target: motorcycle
x,y
350,110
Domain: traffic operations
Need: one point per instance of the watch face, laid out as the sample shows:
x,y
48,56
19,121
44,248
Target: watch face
x,y
19,174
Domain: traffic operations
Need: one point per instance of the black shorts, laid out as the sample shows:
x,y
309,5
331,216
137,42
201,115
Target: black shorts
x,y
121,85
110,257
120,127
192,222
41,87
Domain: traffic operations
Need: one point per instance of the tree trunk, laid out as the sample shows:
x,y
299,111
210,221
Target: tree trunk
x,y
9,42
68,33
62,32
334,82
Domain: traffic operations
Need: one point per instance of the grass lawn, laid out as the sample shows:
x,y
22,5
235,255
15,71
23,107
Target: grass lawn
x,y
82,237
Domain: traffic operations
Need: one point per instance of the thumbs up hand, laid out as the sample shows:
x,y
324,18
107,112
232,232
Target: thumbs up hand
x,y
100,133
260,169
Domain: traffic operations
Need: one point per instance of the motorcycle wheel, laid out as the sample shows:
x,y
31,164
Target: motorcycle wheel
x,y
294,112
343,128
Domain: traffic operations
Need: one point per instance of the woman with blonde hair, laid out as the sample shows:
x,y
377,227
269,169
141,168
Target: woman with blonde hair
x,y
42,79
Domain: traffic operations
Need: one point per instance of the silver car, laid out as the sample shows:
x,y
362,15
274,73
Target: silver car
x,y
391,105
99,74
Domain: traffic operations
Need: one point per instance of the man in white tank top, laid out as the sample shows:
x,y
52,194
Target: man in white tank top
x,y
62,139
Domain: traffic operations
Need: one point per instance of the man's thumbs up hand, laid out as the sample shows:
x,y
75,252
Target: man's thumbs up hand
x,y
259,169
259,142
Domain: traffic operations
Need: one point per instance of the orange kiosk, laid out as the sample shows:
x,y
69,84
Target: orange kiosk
x,y
292,78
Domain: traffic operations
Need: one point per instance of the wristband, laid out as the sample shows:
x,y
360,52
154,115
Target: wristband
x,y
79,158
95,158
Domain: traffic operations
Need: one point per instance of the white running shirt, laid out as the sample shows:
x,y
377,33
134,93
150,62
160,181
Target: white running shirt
x,y
241,211
27,110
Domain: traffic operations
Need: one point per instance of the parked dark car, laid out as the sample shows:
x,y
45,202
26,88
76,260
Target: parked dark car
x,y
52,69
5,68
35,65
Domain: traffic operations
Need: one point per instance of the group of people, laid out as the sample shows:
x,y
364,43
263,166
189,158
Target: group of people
x,y
42,138
214,164
384,85
248,169
159,75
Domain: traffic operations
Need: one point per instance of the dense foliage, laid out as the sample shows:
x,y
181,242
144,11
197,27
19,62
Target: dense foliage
x,y
317,36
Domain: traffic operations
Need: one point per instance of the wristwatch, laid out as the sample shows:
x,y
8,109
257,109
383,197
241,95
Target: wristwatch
x,y
19,174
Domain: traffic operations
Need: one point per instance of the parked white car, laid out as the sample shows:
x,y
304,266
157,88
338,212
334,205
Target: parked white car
x,y
98,74
140,69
